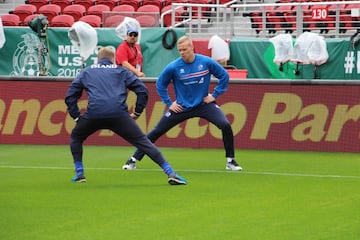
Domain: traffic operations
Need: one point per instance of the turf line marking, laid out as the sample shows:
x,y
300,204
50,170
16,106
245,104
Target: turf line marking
x,y
274,173
302,175
191,170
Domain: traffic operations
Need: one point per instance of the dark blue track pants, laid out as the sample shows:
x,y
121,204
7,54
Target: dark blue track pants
x,y
123,126
211,112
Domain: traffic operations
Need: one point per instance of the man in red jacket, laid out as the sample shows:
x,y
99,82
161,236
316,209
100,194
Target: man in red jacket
x,y
129,55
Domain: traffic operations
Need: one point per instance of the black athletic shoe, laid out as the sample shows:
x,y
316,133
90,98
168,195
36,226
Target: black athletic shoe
x,y
79,179
176,180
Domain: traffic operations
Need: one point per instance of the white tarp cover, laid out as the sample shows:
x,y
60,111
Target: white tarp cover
x,y
125,25
310,48
84,38
283,48
219,48
2,35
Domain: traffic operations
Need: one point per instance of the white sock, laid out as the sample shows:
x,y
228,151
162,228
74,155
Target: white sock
x,y
133,159
229,159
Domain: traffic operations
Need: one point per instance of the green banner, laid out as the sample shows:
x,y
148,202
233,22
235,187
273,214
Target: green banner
x,y
257,55
24,50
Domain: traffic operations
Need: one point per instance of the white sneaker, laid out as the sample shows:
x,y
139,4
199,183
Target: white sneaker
x,y
129,165
233,166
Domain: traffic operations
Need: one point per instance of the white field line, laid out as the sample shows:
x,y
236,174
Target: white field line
x,y
191,170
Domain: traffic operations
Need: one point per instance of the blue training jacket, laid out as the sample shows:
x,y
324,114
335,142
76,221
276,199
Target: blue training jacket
x,y
106,85
191,81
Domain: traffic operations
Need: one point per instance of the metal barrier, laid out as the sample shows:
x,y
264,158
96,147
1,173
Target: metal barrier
x,y
330,19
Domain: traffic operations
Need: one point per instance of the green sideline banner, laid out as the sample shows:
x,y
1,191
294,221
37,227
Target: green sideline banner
x,y
257,56
20,55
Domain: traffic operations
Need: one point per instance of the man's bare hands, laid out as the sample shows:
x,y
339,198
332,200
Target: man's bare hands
x,y
209,98
140,74
176,107
133,116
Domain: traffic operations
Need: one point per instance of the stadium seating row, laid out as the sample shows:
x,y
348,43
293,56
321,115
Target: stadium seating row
x,y
62,20
75,12
89,3
322,17
113,3
78,9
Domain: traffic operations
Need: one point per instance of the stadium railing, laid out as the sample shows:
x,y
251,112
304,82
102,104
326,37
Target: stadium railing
x,y
330,19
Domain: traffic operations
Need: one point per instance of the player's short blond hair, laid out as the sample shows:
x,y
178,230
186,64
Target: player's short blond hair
x,y
184,39
106,52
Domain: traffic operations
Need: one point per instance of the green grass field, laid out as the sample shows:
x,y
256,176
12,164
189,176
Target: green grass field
x,y
279,195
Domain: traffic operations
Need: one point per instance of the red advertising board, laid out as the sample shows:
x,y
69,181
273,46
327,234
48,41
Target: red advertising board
x,y
263,116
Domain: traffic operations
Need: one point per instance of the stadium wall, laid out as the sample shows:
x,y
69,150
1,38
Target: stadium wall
x,y
265,114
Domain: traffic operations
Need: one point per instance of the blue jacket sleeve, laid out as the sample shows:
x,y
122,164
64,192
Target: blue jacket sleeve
x,y
73,94
142,95
223,78
162,84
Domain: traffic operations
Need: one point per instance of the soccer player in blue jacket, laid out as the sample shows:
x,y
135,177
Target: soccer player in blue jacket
x,y
106,85
190,74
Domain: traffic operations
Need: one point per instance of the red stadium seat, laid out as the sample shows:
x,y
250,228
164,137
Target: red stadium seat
x,y
179,12
10,20
147,21
256,20
85,3
125,10
289,18
149,17
355,21
274,21
37,3
92,20
28,19
113,21
223,1
204,11
75,10
63,20
149,9
169,2
50,11
62,3
308,22
110,3
134,3
158,3
344,20
24,10
97,10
